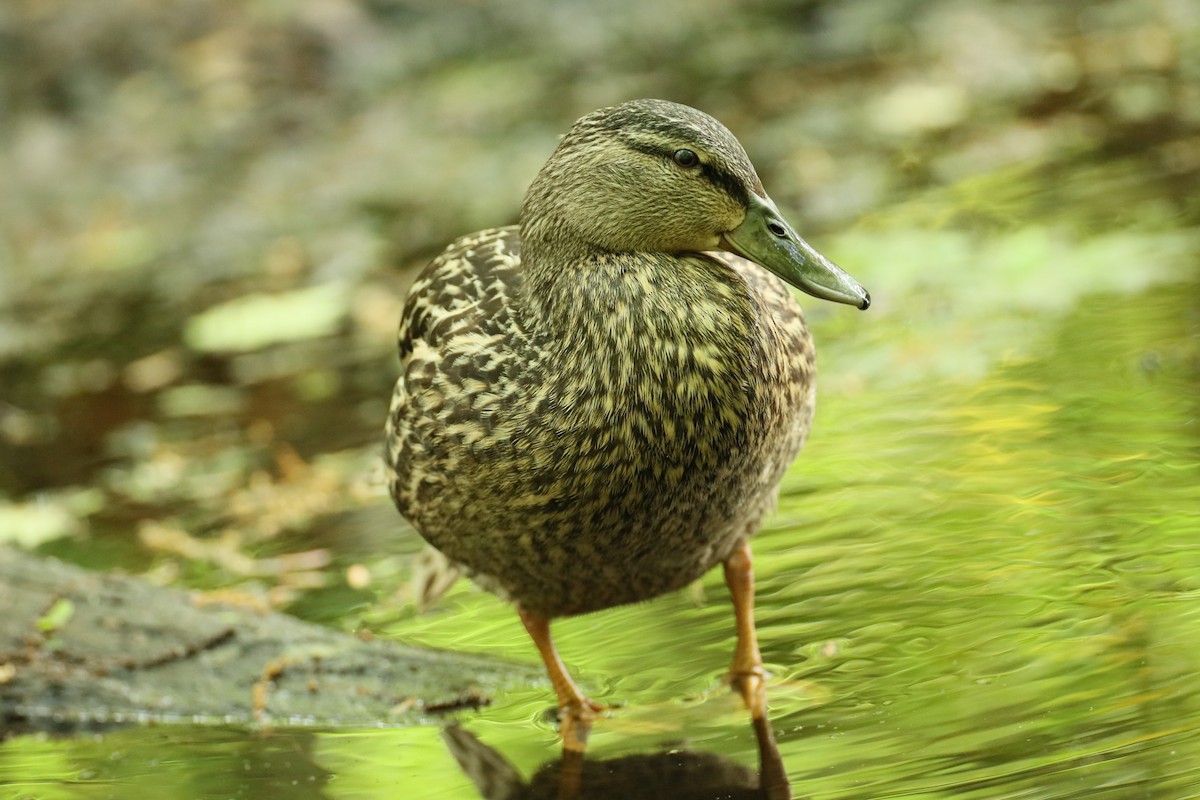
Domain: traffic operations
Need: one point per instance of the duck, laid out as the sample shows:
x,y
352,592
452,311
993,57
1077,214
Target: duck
x,y
595,406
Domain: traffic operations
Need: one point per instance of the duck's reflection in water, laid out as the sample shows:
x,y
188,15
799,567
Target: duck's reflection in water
x,y
667,775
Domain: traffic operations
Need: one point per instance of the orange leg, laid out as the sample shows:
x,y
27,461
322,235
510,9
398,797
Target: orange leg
x,y
746,674
576,710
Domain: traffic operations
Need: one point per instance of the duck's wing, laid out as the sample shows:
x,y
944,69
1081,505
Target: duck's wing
x,y
466,289
456,337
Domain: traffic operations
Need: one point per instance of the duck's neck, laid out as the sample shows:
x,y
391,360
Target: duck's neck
x,y
630,300
559,233
553,259
650,314
661,349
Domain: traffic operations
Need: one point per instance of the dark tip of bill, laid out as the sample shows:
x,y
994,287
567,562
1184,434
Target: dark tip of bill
x,y
866,303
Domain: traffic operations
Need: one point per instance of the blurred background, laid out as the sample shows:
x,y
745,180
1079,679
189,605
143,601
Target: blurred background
x,y
984,578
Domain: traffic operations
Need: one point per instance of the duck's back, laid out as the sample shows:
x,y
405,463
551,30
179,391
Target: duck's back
x,y
611,457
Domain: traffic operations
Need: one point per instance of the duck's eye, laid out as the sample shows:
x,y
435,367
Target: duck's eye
x,y
685,158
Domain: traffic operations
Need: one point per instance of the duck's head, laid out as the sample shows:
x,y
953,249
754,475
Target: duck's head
x,y
655,176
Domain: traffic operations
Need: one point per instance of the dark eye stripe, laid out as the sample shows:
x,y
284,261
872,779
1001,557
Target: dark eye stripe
x,y
721,178
732,185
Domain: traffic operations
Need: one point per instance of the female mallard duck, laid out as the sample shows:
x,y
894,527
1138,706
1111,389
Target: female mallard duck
x,y
595,407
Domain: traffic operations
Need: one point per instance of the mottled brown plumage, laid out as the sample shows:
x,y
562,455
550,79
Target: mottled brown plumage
x,y
596,407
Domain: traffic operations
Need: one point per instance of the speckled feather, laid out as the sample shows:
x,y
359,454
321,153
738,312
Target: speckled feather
x,y
602,430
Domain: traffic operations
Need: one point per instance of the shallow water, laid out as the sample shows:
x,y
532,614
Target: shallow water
x,y
983,580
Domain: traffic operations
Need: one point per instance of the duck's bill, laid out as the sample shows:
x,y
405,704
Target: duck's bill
x,y
767,239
